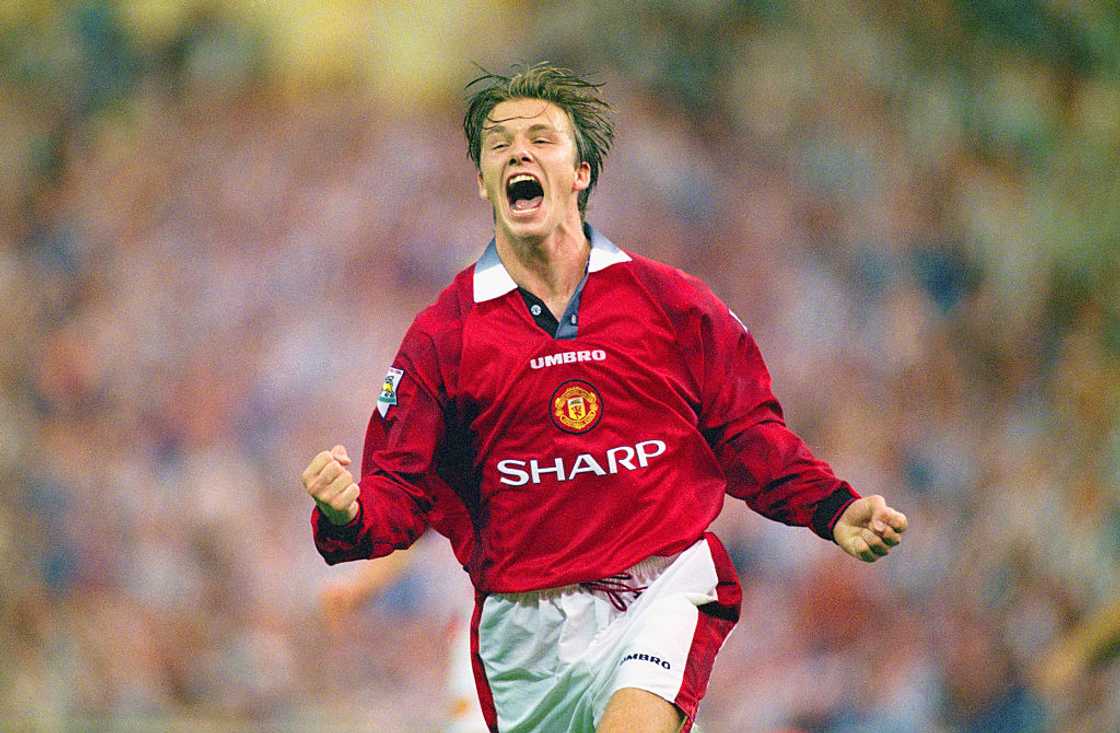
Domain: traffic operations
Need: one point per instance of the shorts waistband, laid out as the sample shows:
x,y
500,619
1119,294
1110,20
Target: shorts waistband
x,y
641,573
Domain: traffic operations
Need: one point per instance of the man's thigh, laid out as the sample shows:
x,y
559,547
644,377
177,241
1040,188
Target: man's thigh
x,y
669,648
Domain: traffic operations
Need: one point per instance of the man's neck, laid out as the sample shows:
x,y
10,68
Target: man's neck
x,y
551,268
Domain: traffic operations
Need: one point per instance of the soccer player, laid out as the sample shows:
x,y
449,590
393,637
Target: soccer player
x,y
579,412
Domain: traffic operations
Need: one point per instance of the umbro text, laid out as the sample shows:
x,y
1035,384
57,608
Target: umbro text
x,y
664,664
567,357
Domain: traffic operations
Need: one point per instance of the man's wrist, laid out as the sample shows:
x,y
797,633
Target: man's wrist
x,y
340,520
829,511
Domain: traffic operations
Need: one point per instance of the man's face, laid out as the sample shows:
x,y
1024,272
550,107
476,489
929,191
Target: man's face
x,y
528,167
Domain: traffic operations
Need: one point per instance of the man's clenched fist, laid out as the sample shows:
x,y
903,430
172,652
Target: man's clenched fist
x,y
868,528
332,486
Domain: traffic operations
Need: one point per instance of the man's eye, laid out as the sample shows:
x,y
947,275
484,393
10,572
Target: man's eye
x,y
542,140
497,146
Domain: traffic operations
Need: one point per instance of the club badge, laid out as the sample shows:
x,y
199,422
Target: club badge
x,y
388,396
575,407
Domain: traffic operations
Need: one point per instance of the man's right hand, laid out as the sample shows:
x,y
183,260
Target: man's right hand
x,y
332,486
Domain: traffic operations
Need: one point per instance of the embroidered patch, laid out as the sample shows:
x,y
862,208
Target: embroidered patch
x,y
576,406
388,396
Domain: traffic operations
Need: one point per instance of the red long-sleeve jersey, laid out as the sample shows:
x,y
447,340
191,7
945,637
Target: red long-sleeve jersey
x,y
549,461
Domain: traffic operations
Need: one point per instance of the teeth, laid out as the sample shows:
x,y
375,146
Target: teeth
x,y
519,178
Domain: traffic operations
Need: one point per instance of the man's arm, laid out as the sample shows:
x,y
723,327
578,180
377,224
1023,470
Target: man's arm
x,y
339,600
386,509
766,464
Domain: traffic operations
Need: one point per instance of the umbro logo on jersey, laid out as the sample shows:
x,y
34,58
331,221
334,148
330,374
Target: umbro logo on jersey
x,y
663,663
567,357
625,457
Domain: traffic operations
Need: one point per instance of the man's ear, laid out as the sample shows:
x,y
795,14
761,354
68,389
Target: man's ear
x,y
482,188
583,176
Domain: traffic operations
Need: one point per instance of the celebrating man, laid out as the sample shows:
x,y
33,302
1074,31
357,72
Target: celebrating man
x,y
571,415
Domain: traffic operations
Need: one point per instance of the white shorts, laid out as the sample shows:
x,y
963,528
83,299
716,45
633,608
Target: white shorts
x,y
550,660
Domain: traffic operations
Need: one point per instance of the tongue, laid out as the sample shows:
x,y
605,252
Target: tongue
x,y
525,204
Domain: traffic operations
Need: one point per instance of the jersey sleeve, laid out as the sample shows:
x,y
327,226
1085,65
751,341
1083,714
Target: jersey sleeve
x,y
402,441
766,464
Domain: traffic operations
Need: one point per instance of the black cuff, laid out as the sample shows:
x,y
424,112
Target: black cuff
x,y
346,532
830,509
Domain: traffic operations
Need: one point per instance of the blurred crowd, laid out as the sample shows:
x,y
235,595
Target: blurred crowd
x,y
217,223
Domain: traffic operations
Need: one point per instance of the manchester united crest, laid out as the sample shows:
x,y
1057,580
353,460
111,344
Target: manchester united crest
x,y
576,406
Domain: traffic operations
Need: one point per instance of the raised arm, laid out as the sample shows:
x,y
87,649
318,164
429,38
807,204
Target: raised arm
x,y
386,509
766,464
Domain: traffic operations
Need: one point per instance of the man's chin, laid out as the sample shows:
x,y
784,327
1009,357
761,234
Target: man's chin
x,y
524,227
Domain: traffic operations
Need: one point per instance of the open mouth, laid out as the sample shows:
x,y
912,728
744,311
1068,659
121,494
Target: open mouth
x,y
524,192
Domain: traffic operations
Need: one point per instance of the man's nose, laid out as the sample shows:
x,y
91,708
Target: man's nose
x,y
519,153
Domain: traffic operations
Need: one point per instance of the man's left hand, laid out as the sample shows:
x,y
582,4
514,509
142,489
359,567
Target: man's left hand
x,y
868,528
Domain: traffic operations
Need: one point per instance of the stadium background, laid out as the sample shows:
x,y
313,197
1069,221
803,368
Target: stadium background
x,y
218,219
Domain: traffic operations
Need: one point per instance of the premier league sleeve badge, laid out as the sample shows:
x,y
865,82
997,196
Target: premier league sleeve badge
x,y
388,396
